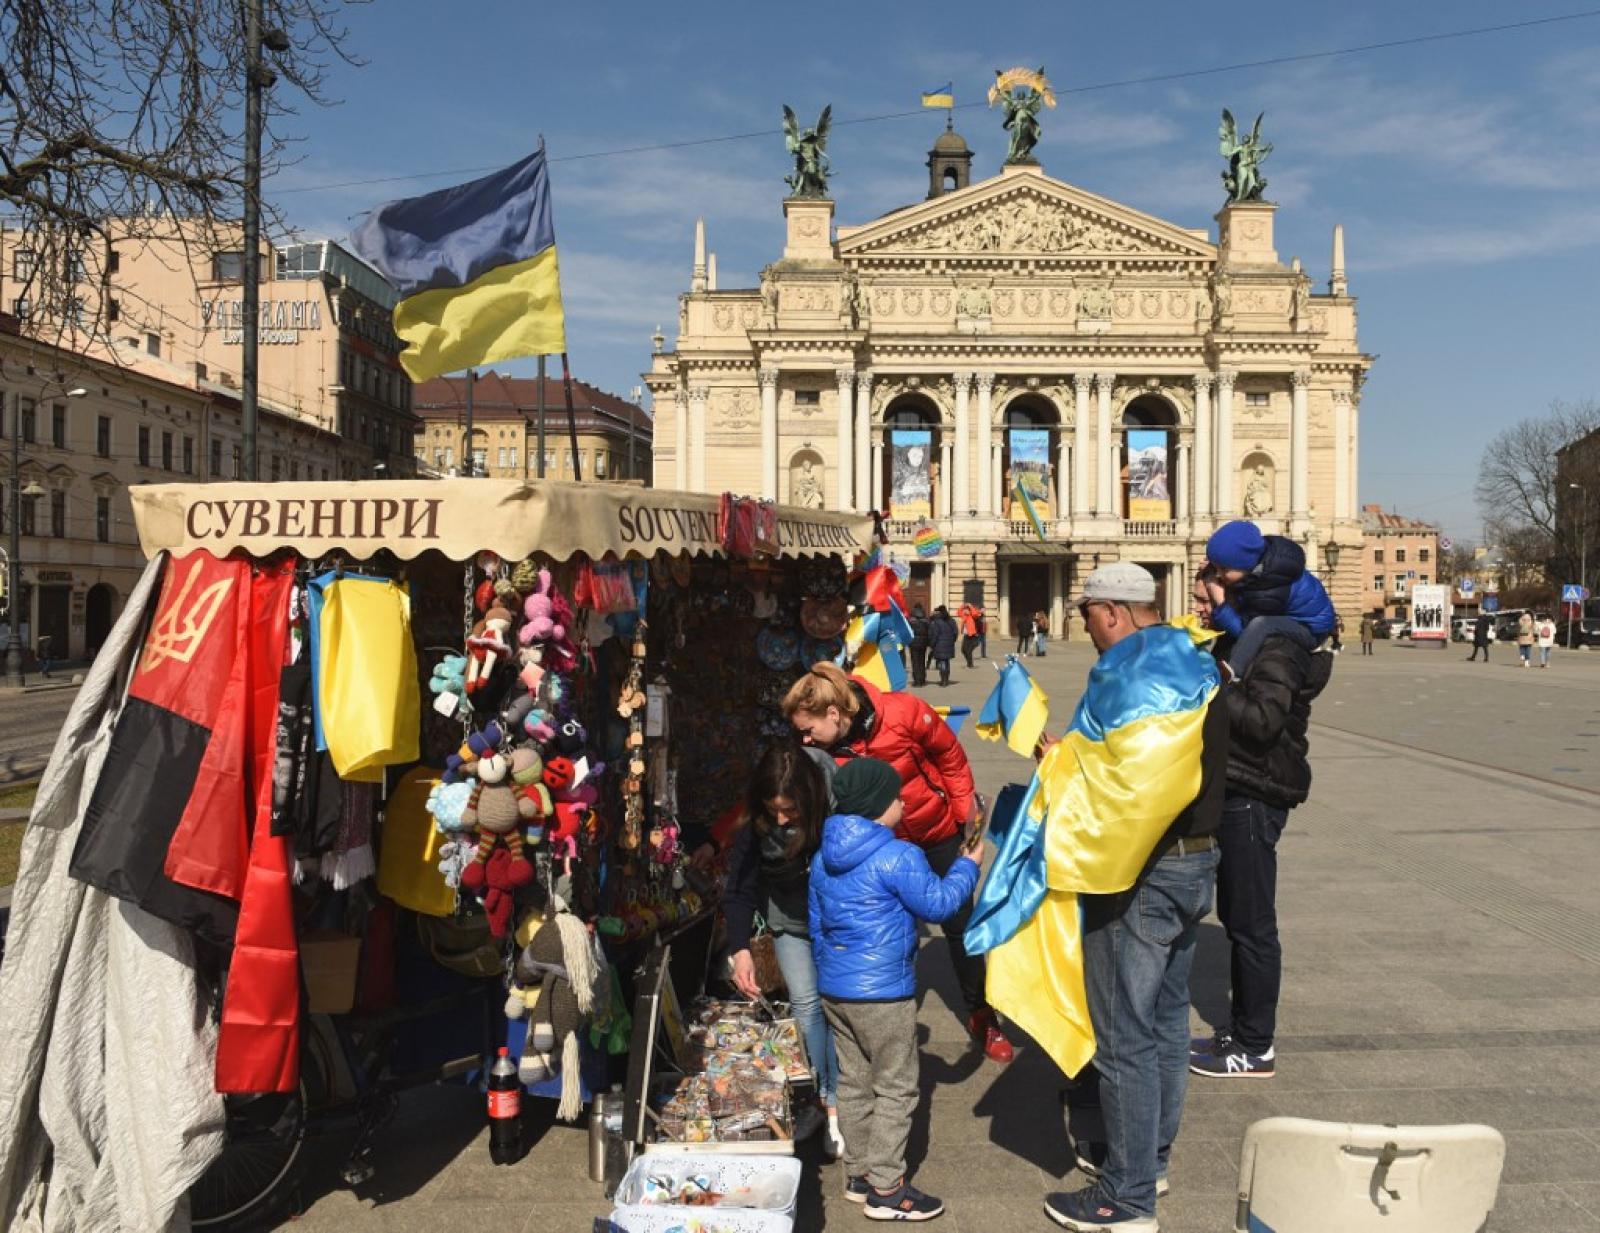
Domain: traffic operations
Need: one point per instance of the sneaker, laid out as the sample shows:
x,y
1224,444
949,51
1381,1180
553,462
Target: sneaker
x,y
808,1121
856,1189
985,1029
906,1203
1234,1063
1089,1211
1091,1159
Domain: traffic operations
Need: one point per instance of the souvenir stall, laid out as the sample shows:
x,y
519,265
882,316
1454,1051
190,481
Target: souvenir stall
x,y
464,700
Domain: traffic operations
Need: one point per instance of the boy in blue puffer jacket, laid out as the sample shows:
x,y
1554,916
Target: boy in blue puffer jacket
x,y
1271,592
868,891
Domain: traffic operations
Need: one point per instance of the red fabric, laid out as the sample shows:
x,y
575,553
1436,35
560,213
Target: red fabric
x,y
726,824
258,1048
883,587
937,787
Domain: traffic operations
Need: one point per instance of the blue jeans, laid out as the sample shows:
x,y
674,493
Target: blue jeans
x,y
800,974
1138,950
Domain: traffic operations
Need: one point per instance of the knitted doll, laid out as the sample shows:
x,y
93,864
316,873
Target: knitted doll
x,y
564,962
496,811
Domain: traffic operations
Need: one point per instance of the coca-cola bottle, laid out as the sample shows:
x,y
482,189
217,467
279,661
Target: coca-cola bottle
x,y
505,1110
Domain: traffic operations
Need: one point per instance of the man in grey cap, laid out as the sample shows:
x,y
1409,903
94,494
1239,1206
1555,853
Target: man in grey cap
x,y
1138,945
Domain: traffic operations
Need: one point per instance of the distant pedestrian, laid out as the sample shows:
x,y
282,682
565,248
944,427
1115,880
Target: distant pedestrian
x,y
1041,631
1546,633
1338,635
1525,638
973,627
1369,631
919,645
1482,636
1024,635
942,642
44,649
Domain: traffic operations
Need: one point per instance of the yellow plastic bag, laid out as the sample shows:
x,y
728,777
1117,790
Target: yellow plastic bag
x,y
408,869
368,694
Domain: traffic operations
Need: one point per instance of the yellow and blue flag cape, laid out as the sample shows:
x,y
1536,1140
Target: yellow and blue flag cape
x,y
1100,801
1016,709
476,269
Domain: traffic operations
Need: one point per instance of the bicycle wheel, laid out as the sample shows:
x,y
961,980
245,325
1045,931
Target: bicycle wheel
x,y
260,1163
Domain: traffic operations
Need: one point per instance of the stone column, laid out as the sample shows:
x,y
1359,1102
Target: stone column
x,y
997,479
1080,445
946,449
1355,454
864,478
986,501
875,492
1180,487
1063,463
1341,454
961,478
697,434
843,486
1299,445
1201,501
769,434
1222,492
1105,495
680,460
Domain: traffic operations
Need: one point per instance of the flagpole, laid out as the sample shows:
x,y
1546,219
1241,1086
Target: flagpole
x,y
467,459
541,417
572,421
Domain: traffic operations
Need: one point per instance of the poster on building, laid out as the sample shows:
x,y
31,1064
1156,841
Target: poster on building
x,y
1030,469
1149,497
1430,613
911,477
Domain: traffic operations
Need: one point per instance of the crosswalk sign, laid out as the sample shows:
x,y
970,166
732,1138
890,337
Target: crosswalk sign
x,y
1572,593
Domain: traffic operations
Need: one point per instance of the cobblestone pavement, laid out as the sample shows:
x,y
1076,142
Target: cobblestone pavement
x,y
1442,948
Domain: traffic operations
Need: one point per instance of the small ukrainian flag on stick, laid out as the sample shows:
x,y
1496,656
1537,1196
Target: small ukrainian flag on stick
x,y
1016,710
939,96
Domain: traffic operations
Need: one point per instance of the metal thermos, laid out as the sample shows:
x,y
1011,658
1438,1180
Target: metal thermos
x,y
597,1136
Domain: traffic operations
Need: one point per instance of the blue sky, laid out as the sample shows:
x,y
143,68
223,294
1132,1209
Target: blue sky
x,y
1465,171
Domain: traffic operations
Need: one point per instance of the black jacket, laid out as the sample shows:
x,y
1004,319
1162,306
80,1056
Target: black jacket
x,y
919,633
1269,710
752,878
1480,630
942,638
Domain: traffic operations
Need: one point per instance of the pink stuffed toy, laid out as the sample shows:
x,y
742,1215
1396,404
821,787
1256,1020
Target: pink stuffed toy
x,y
539,613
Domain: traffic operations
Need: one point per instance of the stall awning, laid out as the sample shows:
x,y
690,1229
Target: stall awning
x,y
460,518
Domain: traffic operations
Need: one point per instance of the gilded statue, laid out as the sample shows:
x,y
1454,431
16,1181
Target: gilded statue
x,y
1021,92
809,148
1243,178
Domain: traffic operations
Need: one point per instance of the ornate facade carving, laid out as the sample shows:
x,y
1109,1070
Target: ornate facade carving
x,y
1026,223
736,409
972,302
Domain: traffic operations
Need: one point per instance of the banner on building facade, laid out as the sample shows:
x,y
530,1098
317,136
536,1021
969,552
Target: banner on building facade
x,y
911,476
1030,469
1430,612
1149,496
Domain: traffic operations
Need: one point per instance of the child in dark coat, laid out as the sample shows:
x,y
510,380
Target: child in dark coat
x,y
1271,592
868,891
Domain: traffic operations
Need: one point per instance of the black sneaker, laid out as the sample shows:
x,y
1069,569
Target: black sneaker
x,y
1234,1063
906,1203
1220,1041
856,1189
1091,1159
1089,1211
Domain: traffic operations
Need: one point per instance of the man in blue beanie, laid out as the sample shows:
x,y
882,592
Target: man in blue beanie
x,y
1261,586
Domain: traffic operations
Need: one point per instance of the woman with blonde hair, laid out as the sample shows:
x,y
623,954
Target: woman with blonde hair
x,y
851,718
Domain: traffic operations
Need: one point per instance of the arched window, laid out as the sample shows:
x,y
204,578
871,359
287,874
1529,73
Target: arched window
x,y
1149,458
910,478
1028,457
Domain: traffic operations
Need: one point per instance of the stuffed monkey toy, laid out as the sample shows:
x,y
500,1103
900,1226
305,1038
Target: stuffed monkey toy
x,y
496,812
561,960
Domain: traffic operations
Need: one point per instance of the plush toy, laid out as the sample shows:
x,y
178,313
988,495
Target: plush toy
x,y
571,739
450,676
527,770
479,744
563,960
496,811
559,774
447,802
539,624
563,835
487,647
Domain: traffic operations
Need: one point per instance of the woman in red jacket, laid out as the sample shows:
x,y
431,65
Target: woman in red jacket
x,y
851,718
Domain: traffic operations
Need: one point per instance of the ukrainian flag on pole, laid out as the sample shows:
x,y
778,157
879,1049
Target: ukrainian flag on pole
x,y
939,96
1016,710
476,269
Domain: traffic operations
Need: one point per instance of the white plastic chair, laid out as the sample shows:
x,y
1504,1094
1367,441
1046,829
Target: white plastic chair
x,y
1301,1176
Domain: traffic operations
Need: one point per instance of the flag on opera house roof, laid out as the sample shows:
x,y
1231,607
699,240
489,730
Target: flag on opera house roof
x,y
476,269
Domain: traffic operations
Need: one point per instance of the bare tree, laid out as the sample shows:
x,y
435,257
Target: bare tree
x,y
119,116
1523,495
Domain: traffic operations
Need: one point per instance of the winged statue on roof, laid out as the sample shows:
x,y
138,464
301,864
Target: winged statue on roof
x,y
1243,178
809,148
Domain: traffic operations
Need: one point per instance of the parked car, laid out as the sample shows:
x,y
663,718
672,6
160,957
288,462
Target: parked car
x,y
1381,627
1400,629
1586,633
1461,629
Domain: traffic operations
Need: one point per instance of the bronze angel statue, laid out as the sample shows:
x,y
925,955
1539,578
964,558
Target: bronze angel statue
x,y
1021,92
810,150
1243,178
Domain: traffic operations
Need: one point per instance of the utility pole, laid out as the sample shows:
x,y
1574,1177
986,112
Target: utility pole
x,y
1583,566
257,78
541,417
468,463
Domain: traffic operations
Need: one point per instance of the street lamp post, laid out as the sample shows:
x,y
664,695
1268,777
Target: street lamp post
x,y
1583,564
257,77
14,675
